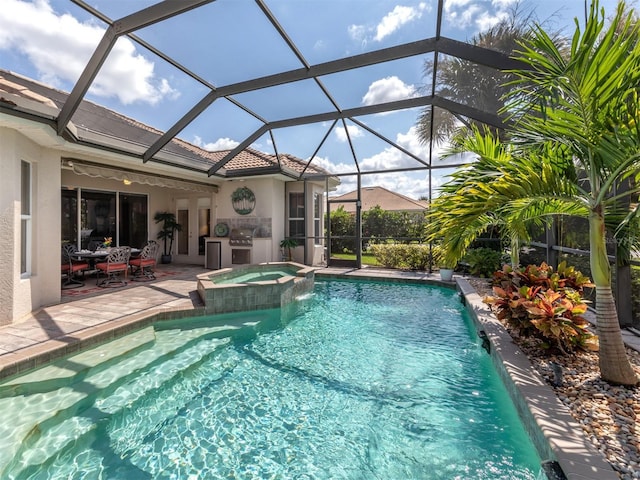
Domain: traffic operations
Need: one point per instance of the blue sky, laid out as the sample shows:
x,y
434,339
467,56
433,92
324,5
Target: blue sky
x,y
229,41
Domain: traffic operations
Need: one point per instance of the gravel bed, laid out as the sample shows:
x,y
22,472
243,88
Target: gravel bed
x,y
606,413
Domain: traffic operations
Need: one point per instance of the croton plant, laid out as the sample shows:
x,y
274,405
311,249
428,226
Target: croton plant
x,y
540,302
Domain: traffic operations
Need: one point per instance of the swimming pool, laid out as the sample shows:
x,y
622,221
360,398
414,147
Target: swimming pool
x,y
366,380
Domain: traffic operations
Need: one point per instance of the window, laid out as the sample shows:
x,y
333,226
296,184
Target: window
x,y
204,222
296,215
97,217
25,218
317,230
88,216
69,211
133,220
183,235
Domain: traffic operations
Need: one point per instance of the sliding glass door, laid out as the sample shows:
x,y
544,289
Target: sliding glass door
x,y
90,216
133,220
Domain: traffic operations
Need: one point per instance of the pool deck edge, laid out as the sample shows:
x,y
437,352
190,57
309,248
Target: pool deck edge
x,y
534,398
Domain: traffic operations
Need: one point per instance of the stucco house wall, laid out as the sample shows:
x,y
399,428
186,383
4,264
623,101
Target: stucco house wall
x,y
19,296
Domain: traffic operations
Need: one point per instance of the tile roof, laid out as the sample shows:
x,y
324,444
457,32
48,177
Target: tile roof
x,y
93,120
380,196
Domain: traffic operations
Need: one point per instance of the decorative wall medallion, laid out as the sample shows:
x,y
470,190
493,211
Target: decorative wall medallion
x,y
243,201
221,229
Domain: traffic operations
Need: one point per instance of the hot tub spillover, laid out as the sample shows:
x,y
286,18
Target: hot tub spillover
x,y
254,287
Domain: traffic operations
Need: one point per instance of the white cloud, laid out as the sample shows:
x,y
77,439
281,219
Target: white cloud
x,y
398,17
462,19
327,164
391,157
357,32
354,132
450,5
388,89
392,22
35,30
220,144
484,14
412,184
501,4
485,20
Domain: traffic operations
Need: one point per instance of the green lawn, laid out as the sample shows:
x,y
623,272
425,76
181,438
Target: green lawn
x,y
367,258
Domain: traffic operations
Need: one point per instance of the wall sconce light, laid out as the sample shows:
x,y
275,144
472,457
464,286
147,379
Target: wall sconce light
x,y
126,181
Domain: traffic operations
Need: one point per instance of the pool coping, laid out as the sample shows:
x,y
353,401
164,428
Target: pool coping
x,y
544,415
537,403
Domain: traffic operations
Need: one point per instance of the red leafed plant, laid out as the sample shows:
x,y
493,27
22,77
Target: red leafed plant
x,y
541,303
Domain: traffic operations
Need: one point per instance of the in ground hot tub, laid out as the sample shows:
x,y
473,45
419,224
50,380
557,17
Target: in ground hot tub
x,y
254,287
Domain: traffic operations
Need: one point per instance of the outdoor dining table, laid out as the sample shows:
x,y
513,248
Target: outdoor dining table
x,y
99,255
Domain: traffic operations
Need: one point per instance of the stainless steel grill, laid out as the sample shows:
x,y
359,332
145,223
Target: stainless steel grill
x,y
241,237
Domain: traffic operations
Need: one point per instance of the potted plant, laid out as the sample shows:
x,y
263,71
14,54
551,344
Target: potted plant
x,y
445,266
167,232
286,245
446,273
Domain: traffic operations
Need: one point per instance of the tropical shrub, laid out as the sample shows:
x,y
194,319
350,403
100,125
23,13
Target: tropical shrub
x,y
402,256
635,294
343,226
483,261
540,302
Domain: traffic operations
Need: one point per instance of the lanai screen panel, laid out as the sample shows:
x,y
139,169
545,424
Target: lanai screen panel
x,y
271,68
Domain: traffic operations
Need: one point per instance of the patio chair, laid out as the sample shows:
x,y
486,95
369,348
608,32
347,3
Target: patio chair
x,y
71,266
142,266
117,262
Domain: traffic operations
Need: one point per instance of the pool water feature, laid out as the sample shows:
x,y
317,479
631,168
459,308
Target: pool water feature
x,y
366,380
254,287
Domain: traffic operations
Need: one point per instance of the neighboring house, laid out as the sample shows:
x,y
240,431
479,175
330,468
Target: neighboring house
x,y
371,197
91,181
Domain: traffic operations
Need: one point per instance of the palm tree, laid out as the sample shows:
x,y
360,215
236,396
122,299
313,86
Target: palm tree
x,y
576,138
501,189
470,83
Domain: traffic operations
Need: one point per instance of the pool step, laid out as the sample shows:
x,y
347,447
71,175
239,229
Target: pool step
x,y
72,369
49,421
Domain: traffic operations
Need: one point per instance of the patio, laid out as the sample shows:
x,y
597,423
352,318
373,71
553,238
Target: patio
x,y
93,314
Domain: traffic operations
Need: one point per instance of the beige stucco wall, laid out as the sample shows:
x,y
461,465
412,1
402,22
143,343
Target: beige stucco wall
x,y
21,295
269,193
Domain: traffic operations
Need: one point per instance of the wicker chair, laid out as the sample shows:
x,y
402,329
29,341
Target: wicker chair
x,y
70,267
116,263
143,265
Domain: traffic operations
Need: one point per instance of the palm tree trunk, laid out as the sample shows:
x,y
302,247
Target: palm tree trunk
x,y
613,360
515,251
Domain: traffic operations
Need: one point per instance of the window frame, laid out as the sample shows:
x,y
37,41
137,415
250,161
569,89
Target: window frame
x,y
26,218
298,220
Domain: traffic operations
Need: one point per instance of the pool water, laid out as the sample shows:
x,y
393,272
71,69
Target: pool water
x,y
365,381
